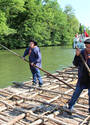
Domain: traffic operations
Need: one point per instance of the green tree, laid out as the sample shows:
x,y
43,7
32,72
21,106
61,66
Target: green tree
x,y
72,22
41,20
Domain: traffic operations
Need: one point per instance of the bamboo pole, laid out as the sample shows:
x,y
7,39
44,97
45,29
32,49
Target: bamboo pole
x,y
4,119
51,91
16,119
49,103
38,122
85,120
8,105
37,67
39,116
50,117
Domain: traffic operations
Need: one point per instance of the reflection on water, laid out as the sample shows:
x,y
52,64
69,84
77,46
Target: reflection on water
x,y
14,69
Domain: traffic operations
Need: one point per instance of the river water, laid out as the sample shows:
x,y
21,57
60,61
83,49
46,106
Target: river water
x,y
14,69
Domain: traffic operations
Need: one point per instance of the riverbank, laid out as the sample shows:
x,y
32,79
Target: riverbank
x,y
58,45
26,104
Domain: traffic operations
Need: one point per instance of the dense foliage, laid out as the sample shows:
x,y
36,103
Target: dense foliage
x,y
41,20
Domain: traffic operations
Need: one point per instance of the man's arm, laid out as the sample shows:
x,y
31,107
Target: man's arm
x,y
26,52
77,58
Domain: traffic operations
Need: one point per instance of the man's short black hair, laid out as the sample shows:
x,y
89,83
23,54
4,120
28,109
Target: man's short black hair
x,y
35,43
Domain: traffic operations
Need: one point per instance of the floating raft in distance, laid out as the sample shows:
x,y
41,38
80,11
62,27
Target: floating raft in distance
x,y
25,104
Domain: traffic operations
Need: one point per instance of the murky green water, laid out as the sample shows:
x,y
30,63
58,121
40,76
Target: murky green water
x,y
14,69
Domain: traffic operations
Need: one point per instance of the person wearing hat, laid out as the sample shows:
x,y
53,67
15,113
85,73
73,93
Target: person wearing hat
x,y
35,58
83,75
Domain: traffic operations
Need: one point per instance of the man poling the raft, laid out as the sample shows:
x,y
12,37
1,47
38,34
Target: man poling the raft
x,y
38,67
80,59
34,58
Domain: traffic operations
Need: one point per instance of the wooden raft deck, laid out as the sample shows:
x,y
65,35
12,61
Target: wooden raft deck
x,y
28,105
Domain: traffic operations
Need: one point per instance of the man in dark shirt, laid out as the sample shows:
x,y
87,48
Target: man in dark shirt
x,y
83,74
34,58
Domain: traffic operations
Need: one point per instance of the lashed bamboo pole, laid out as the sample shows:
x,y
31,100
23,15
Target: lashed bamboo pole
x,y
10,106
21,116
4,119
49,103
68,73
38,122
16,119
80,105
50,117
4,93
51,91
86,119
18,102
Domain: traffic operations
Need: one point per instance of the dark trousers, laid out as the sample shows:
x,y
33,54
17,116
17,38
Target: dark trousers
x,y
76,95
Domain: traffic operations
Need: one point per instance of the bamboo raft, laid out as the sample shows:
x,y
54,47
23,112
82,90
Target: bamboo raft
x,y
33,105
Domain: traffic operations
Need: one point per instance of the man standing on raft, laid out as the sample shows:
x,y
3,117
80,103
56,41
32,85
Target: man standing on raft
x,y
34,58
83,74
